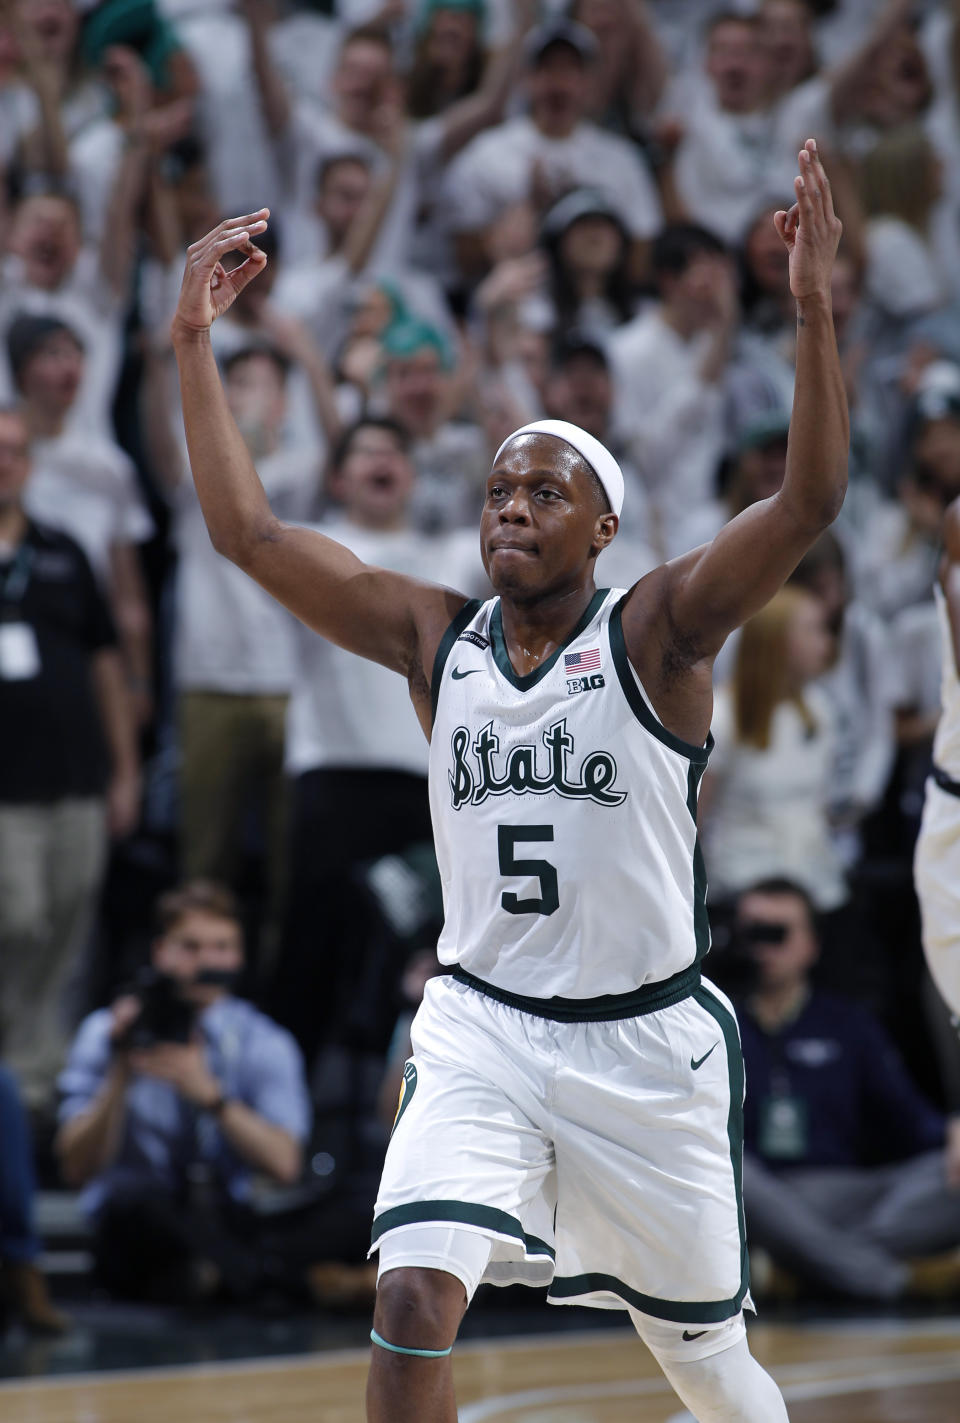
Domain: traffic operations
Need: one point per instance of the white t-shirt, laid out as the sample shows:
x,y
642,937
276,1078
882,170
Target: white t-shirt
x,y
729,166
87,305
769,814
346,711
19,115
902,278
495,170
230,635
86,486
669,419
892,566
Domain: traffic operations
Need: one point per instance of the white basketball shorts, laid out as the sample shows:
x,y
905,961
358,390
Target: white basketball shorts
x,y
601,1158
937,878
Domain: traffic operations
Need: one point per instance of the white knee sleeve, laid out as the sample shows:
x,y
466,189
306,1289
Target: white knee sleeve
x,y
460,1252
724,1386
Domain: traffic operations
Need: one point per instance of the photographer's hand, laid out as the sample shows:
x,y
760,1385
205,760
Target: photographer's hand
x,y
184,1066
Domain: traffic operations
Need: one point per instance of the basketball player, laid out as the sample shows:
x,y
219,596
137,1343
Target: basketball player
x,y
937,860
572,1111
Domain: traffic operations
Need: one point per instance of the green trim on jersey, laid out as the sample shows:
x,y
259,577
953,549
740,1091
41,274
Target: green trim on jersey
x,y
466,615
572,1287
637,701
650,998
460,1213
701,920
502,657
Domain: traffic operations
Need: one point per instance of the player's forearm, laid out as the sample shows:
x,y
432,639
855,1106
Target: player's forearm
x,y
235,507
816,475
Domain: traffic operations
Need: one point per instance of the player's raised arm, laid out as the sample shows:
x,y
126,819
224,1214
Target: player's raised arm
x,y
381,615
714,589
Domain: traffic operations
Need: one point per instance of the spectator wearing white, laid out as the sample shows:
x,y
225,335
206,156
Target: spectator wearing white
x,y
669,367
900,184
588,255
84,484
630,73
727,162
324,293
422,389
857,684
580,390
233,647
894,560
543,154
70,768
355,750
366,112
766,796
48,271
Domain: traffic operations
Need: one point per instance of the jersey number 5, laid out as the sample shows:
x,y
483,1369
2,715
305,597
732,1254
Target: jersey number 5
x,y
508,837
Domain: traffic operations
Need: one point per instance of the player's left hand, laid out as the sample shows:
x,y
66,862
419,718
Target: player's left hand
x,y
182,1065
811,229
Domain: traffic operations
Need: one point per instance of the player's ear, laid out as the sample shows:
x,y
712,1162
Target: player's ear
x,y
605,530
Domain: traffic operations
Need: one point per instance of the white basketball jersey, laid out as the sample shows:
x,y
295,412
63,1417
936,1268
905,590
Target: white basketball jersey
x,y
946,742
564,815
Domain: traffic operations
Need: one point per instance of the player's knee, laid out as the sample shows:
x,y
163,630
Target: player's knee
x,y
419,1308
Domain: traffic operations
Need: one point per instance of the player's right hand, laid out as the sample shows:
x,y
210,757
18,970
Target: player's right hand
x,y
208,289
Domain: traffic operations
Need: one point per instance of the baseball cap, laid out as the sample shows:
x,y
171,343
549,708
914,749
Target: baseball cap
x,y
559,31
766,429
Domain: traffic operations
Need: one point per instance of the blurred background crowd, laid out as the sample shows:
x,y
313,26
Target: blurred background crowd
x,y
483,211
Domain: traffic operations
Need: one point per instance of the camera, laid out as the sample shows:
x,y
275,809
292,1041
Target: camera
x,y
165,1016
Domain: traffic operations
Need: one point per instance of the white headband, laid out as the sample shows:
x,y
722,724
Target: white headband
x,y
597,456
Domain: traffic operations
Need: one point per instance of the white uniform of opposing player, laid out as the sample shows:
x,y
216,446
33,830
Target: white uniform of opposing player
x,y
937,861
575,1093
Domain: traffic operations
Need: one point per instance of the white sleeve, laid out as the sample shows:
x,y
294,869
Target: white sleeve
x,y
902,278
634,193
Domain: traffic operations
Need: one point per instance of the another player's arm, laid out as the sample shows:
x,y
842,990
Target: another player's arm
x,y
707,593
385,616
950,574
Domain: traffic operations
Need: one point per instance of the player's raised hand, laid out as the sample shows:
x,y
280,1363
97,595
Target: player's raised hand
x,y
208,289
811,229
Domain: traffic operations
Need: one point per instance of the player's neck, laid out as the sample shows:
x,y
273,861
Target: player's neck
x,y
534,629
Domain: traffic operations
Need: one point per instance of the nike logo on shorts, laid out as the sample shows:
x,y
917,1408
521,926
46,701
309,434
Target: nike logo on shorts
x,y
696,1062
458,676
689,1338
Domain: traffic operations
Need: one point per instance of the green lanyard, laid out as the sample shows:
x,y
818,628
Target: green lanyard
x,y
17,578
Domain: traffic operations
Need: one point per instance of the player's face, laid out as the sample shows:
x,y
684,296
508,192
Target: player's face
x,y
541,524
14,458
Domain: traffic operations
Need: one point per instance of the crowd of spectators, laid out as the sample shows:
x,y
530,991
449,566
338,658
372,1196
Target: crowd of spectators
x,y
482,212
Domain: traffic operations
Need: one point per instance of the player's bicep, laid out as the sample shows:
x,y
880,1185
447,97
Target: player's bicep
x,y
716,588
374,612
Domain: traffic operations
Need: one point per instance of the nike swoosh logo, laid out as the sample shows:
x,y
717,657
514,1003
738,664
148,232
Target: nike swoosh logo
x,y
458,676
690,1337
696,1062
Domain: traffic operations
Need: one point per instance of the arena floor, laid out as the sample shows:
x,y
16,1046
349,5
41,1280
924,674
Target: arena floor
x,y
831,1371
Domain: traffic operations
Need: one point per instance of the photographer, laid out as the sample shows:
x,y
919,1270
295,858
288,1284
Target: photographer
x,y
851,1179
172,1100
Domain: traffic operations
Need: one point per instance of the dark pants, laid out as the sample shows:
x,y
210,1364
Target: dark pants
x,y
18,1242
340,821
147,1243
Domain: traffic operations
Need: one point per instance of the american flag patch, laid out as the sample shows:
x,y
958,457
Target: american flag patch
x,y
588,661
